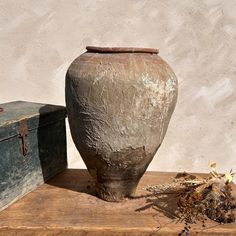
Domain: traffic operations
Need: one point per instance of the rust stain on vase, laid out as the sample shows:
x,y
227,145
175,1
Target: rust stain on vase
x,y
119,103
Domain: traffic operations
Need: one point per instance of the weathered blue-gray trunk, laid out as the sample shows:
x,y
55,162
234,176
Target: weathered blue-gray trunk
x,y
32,147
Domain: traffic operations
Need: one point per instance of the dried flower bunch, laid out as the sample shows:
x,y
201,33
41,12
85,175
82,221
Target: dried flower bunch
x,y
201,198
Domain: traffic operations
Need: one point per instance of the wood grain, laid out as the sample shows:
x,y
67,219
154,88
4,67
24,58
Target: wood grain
x,y
67,205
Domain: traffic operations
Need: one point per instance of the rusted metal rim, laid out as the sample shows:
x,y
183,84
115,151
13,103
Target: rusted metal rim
x,y
121,50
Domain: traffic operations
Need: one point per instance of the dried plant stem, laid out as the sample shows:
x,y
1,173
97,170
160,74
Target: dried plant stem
x,y
199,199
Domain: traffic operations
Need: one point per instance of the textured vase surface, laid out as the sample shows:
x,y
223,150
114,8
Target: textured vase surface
x,y
119,104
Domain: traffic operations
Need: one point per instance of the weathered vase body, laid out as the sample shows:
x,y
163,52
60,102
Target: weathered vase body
x,y
119,103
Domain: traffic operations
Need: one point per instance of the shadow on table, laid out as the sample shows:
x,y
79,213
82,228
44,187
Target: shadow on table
x,y
51,138
77,180
165,204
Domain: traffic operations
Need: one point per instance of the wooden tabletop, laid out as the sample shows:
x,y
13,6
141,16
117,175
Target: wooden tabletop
x,y
67,205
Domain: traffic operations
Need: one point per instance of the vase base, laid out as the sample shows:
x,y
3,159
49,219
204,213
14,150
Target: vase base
x,y
116,191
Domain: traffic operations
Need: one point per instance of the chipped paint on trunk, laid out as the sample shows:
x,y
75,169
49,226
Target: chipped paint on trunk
x,y
46,148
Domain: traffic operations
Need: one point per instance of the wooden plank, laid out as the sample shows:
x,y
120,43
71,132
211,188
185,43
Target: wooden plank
x,y
67,205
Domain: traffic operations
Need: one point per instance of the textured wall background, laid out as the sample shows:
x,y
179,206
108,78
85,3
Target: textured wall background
x,y
39,39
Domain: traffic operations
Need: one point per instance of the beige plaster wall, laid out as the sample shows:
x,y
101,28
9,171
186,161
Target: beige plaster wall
x,y
39,39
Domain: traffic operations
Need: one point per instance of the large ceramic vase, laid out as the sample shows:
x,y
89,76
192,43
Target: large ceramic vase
x,y
119,103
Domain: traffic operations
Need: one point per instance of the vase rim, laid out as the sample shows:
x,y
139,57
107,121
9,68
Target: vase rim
x,y
121,50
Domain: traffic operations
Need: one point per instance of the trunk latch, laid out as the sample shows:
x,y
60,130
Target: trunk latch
x,y
23,136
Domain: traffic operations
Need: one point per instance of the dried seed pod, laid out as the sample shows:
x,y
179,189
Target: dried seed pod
x,y
199,199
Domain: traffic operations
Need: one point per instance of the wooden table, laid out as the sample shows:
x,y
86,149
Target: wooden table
x,y
67,205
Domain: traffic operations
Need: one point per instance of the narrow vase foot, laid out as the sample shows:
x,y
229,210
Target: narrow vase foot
x,y
116,191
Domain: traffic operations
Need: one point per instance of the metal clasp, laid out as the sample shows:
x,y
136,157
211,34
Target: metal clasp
x,y
23,136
